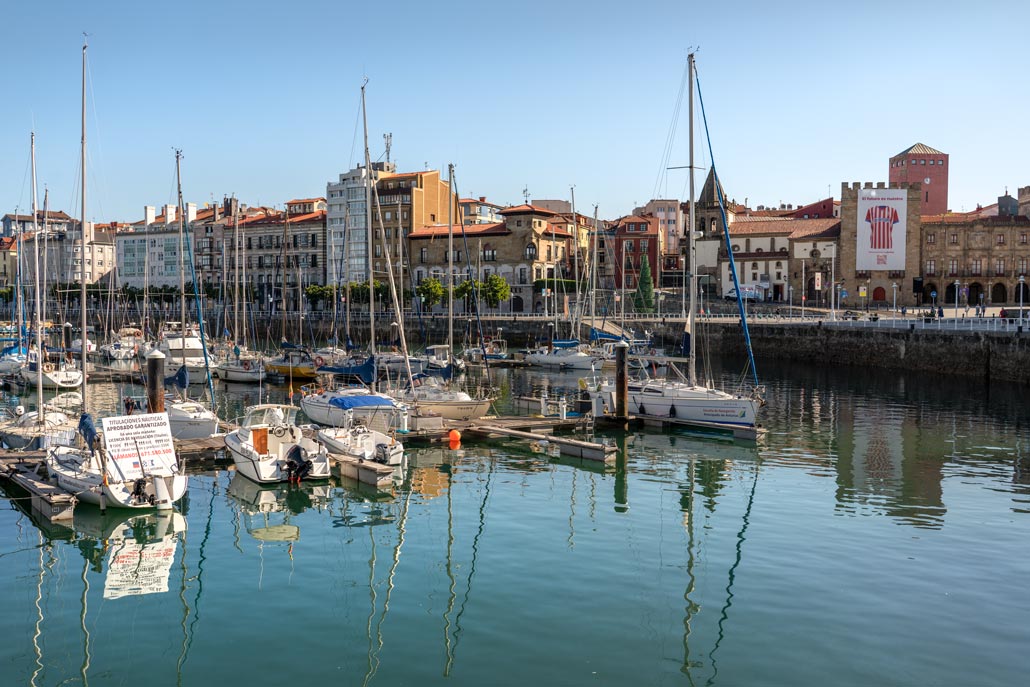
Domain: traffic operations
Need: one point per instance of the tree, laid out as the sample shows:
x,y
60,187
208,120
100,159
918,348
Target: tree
x,y
430,291
467,290
495,290
643,299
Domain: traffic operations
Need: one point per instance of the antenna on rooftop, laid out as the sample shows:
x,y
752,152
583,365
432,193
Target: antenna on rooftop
x,y
525,194
388,138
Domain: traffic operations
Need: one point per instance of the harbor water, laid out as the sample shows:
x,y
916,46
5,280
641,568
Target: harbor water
x,y
876,535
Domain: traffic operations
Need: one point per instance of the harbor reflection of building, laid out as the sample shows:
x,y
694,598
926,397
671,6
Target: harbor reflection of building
x,y
888,463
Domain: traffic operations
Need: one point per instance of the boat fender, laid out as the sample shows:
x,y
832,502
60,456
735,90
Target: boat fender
x,y
319,361
246,365
672,411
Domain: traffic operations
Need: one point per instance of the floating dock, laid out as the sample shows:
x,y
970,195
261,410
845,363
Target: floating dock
x,y
364,471
49,501
576,448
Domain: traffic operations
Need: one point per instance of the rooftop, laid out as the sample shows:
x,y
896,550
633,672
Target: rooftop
x,y
920,149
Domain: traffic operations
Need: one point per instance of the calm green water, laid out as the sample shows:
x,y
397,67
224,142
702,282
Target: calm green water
x,y
877,536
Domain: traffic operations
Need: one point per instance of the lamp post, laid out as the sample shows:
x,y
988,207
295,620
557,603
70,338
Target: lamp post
x,y
958,284
1021,280
894,287
790,301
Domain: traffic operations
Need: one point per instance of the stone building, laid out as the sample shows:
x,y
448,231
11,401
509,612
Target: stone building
x,y
879,284
921,164
285,255
525,247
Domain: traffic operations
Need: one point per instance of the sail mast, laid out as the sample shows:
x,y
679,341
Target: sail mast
x,y
368,230
692,254
182,260
82,234
450,261
38,324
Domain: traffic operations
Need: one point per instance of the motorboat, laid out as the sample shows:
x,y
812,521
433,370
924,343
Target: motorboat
x,y
564,354
183,345
333,407
269,446
357,440
294,363
248,368
131,465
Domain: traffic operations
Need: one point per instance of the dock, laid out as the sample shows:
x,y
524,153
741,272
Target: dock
x,y
541,430
707,428
49,501
364,471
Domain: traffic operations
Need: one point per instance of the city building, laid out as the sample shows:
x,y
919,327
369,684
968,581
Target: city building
x,y
61,260
285,254
479,211
8,261
926,166
524,248
671,222
14,223
635,240
347,238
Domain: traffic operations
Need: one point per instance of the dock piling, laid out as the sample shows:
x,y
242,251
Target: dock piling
x,y
155,381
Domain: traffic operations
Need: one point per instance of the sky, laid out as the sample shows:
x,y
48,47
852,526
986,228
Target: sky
x,y
263,98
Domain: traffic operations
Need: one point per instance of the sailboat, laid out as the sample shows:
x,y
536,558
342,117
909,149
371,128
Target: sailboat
x,y
242,365
690,400
133,464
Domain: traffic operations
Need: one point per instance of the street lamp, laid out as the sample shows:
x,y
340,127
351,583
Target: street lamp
x,y
957,286
1021,280
894,288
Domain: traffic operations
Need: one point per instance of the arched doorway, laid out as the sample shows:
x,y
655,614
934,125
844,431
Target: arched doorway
x,y
1025,289
812,297
999,294
879,295
976,294
949,295
928,292
517,304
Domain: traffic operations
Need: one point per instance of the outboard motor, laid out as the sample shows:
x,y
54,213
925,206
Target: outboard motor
x,y
382,454
297,467
138,487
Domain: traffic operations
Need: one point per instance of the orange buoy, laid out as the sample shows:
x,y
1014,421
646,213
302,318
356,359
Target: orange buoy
x,y
454,435
454,445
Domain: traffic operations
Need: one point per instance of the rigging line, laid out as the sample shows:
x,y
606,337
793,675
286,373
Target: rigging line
x,y
671,136
95,143
724,616
726,235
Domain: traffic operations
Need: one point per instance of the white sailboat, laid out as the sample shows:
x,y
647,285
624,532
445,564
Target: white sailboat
x,y
689,400
270,447
241,365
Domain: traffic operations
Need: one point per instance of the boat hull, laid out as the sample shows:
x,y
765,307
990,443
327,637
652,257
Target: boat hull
x,y
271,467
158,491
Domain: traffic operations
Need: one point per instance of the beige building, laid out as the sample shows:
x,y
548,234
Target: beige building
x,y
523,248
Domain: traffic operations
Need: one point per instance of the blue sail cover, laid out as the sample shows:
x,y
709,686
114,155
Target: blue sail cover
x,y
445,373
180,379
598,335
88,430
565,343
366,371
8,350
348,402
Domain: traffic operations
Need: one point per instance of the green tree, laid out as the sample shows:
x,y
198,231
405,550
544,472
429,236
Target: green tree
x,y
468,290
495,290
430,291
643,299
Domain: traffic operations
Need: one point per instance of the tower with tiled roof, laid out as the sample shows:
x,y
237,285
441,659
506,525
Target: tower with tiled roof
x,y
924,165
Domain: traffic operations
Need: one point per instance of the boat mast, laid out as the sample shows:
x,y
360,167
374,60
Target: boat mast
x,y
593,271
575,263
236,276
450,261
38,323
368,230
182,260
692,254
82,236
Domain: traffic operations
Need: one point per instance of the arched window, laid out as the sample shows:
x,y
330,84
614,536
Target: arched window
x,y
531,251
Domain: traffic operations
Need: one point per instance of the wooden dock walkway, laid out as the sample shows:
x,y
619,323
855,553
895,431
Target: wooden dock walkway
x,y
46,499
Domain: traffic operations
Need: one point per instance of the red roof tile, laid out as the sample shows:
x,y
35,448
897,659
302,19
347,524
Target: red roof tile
x,y
526,209
440,230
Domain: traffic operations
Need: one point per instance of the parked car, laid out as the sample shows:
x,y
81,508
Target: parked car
x,y
748,294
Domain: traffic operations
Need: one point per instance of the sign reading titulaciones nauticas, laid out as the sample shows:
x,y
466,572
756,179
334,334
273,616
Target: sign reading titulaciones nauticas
x,y
882,213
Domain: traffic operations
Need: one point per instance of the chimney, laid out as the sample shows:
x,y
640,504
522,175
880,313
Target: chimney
x,y
169,214
191,212
482,199
148,215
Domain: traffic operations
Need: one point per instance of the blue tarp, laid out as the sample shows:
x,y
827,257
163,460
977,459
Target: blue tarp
x,y
598,335
565,343
8,350
180,379
348,402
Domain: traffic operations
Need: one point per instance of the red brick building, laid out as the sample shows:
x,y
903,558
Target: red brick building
x,y
923,165
635,237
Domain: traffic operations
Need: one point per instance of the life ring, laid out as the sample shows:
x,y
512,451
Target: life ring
x,y
654,351
319,361
48,367
246,365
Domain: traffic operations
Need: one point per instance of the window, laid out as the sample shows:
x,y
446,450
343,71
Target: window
x,y
629,281
628,246
489,254
1022,238
931,237
953,239
999,267
523,275
423,255
548,252
931,268
1000,239
643,245
976,267
432,218
953,268
1022,266
457,256
531,251
922,162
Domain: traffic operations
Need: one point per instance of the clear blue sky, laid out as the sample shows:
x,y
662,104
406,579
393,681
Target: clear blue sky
x,y
263,98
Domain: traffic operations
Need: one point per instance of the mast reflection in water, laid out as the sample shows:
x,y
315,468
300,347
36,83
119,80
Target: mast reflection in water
x,y
841,549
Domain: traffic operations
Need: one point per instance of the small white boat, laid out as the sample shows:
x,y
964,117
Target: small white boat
x,y
270,447
245,369
27,430
137,468
564,355
183,346
60,376
363,443
11,362
187,419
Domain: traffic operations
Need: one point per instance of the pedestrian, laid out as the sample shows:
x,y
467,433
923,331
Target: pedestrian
x,y
940,312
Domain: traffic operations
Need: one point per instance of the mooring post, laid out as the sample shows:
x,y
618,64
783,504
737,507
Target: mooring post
x,y
621,379
155,381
